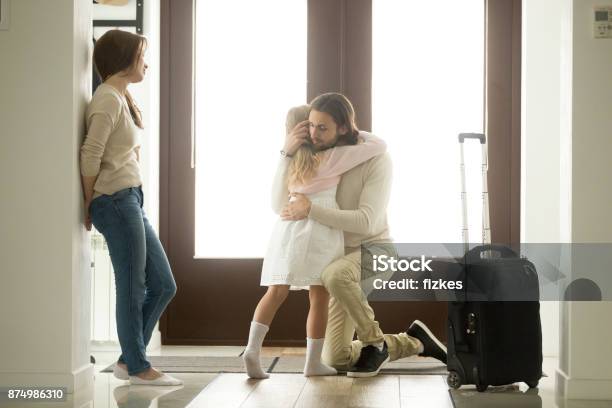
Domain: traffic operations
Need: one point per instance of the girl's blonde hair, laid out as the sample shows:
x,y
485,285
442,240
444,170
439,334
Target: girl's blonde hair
x,y
306,159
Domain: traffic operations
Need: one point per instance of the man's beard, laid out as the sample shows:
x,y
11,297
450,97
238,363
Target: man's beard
x,y
322,147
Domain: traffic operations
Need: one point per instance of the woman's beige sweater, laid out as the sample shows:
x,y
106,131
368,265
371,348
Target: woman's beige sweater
x,y
111,148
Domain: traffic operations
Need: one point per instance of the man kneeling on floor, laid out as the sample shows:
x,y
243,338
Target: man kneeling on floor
x,y
362,195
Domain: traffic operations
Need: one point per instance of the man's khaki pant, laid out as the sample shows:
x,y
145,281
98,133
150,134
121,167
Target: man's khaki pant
x,y
349,312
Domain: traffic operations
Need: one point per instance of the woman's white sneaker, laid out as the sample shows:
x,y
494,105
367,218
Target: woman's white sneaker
x,y
120,372
165,379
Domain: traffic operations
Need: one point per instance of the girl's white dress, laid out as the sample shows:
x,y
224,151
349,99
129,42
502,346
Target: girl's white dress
x,y
299,251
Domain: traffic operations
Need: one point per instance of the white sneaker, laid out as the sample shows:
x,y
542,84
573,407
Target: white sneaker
x,y
120,373
165,379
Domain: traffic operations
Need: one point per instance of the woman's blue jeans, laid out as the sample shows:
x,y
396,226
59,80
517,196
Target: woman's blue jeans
x,y
143,278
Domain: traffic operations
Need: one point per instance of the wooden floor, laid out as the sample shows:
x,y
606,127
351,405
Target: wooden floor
x,y
295,390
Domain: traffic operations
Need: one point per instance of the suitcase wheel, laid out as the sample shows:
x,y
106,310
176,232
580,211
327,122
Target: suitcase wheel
x,y
481,387
532,384
453,379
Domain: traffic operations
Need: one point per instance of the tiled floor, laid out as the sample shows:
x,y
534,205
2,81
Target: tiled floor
x,y
293,390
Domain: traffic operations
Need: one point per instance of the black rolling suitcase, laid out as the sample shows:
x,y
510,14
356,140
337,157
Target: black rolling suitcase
x,y
494,329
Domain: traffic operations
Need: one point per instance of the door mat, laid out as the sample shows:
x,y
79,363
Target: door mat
x,y
407,366
283,364
199,364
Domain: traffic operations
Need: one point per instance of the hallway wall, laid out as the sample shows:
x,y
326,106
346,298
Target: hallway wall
x,y
45,290
540,141
567,96
586,350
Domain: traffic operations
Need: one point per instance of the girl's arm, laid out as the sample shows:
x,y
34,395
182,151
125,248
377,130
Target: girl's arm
x,y
280,191
293,140
341,159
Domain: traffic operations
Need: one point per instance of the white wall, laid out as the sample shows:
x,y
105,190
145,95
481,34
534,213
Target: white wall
x,y
540,140
586,350
566,194
44,296
147,95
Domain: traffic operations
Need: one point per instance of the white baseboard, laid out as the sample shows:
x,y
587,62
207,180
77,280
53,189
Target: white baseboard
x,y
83,378
568,388
79,380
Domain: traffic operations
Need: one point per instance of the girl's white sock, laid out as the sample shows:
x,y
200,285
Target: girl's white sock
x,y
251,353
314,366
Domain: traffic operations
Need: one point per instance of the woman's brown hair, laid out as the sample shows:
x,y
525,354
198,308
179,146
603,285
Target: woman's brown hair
x,y
118,51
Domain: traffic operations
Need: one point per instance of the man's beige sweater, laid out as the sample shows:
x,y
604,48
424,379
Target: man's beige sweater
x,y
363,196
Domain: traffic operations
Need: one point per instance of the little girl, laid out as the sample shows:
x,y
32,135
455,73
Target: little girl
x,y
299,251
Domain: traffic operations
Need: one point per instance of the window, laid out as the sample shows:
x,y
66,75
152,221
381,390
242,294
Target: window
x,y
427,87
339,58
250,69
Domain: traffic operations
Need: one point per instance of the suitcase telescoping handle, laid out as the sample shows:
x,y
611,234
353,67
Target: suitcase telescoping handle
x,y
486,230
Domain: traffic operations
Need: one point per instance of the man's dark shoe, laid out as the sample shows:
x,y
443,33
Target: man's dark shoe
x,y
432,347
370,361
